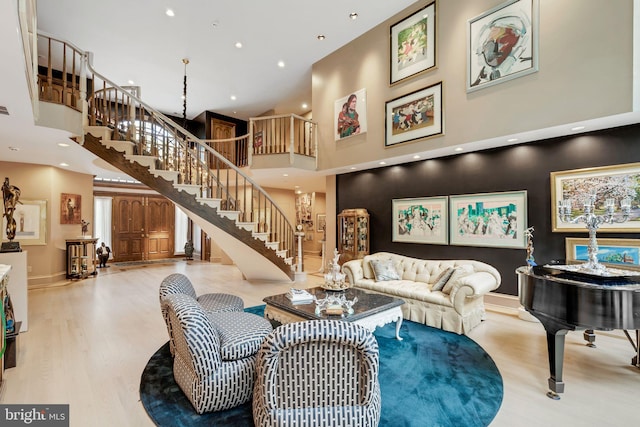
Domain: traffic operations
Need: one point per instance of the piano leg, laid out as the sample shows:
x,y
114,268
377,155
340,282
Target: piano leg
x,y
590,337
555,349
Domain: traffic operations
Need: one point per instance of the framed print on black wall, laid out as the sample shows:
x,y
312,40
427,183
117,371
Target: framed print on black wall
x,y
420,220
413,44
489,219
502,44
414,116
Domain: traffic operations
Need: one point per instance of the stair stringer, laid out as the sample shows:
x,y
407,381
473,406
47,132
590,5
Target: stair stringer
x,y
252,264
237,243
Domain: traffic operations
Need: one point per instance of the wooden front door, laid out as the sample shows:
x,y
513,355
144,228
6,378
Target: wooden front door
x,y
160,219
142,228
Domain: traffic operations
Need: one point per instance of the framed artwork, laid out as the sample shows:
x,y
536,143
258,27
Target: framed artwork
x,y
489,219
608,182
70,208
413,44
414,116
31,223
611,252
420,220
502,44
321,222
350,115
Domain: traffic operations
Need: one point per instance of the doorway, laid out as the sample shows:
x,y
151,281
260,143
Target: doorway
x,y
143,228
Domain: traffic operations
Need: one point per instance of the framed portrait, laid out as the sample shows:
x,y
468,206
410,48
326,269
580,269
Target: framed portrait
x,y
70,208
574,187
321,222
617,253
489,219
350,115
31,223
502,44
420,220
414,116
412,44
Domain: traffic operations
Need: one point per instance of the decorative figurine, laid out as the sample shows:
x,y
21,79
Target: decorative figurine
x,y
531,262
85,227
334,280
10,197
103,252
188,250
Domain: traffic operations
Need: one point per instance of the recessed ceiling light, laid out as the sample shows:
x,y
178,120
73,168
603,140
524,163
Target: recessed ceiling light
x,y
352,168
281,64
233,97
14,149
321,37
353,16
577,128
169,12
512,139
382,163
239,45
131,82
62,144
416,156
304,105
459,149
285,174
64,164
215,23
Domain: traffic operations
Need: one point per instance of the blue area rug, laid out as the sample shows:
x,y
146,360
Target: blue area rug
x,y
431,378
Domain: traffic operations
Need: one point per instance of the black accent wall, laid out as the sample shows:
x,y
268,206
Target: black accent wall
x,y
522,167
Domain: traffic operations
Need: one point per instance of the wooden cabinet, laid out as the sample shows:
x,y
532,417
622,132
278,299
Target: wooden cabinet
x,y
353,234
81,258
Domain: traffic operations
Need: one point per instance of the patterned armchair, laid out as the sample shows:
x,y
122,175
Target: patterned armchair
x,y
178,283
215,354
317,373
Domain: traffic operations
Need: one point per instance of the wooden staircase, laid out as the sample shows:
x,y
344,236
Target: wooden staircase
x,y
253,253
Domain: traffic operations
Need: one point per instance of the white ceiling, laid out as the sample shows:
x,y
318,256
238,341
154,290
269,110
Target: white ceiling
x,y
135,40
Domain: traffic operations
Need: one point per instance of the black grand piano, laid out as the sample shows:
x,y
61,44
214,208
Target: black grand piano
x,y
565,301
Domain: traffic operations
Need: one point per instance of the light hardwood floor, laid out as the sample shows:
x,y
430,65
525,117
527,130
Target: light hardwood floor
x,y
89,341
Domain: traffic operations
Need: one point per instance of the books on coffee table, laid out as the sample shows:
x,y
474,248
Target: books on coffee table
x,y
299,296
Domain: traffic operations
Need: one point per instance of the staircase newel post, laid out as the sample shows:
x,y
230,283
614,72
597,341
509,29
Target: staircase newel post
x,y
86,58
291,141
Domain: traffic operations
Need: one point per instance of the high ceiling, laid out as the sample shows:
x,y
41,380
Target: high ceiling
x,y
136,41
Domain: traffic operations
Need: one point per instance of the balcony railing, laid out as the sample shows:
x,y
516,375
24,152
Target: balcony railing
x,y
68,78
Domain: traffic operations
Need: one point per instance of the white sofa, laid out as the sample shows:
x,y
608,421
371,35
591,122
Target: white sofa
x,y
458,307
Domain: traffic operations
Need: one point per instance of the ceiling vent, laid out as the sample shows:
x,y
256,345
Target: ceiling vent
x,y
3,110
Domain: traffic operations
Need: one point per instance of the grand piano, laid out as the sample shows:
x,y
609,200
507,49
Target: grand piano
x,y
564,301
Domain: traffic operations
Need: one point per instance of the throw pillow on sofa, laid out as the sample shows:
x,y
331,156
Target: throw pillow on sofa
x,y
458,273
384,270
442,279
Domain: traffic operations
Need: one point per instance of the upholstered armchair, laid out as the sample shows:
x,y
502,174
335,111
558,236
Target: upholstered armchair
x,y
178,283
317,373
215,354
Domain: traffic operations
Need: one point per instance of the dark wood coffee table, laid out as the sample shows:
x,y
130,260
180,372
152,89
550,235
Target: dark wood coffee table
x,y
370,311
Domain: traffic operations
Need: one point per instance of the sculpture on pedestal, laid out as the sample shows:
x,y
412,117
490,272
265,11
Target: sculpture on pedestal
x,y
10,197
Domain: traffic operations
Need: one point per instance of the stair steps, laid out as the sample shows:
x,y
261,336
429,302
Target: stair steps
x,y
171,176
261,236
188,188
147,161
214,203
232,215
249,226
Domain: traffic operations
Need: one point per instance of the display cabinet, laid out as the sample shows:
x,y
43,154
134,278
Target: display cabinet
x,y
81,258
353,234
